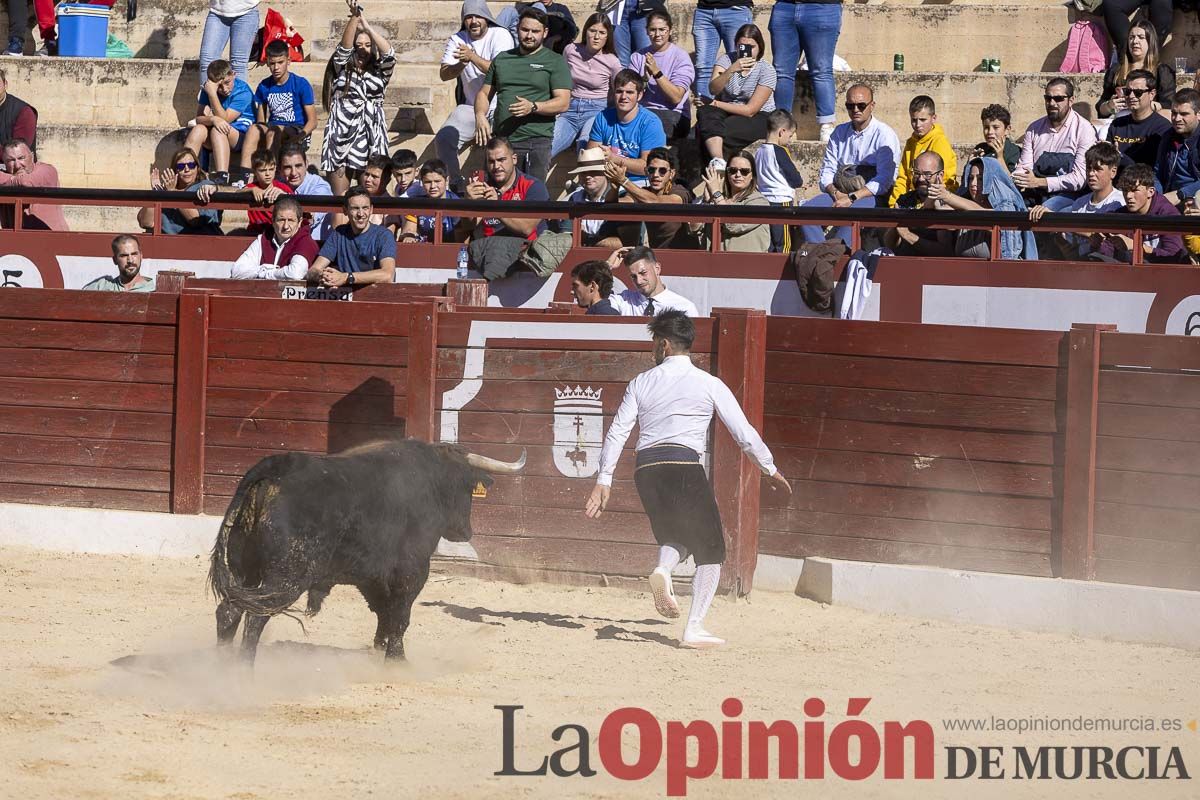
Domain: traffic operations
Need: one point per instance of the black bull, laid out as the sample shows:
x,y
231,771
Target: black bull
x,y
370,517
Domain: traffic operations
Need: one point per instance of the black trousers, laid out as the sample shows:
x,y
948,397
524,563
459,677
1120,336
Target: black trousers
x,y
683,512
736,132
1116,18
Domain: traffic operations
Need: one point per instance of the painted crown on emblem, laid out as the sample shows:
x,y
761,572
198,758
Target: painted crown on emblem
x,y
579,393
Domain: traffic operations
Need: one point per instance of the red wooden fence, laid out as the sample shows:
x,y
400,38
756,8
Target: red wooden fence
x,y
1040,453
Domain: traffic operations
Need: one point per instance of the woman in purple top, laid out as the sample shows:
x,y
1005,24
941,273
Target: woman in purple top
x,y
593,64
669,73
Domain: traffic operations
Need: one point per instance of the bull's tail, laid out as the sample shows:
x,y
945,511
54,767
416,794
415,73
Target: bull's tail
x,y
242,520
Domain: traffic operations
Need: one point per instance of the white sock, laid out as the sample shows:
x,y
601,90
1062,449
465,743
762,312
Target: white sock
x,y
668,558
704,589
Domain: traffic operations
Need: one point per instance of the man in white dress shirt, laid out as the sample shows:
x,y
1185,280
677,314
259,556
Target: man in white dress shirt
x,y
673,405
651,296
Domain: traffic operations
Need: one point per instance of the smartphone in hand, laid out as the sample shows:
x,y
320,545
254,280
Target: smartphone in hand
x,y
744,50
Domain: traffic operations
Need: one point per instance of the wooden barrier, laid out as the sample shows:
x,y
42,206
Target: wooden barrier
x,y
1147,460
1041,453
916,444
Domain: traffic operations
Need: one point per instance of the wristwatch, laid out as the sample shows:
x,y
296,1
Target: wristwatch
x,y
534,109
658,75
349,278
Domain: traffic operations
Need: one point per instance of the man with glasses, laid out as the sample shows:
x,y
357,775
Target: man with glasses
x,y
1138,133
870,148
1178,164
928,170
1052,170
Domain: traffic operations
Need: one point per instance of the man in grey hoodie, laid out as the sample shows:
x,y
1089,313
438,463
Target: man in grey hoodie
x,y
467,57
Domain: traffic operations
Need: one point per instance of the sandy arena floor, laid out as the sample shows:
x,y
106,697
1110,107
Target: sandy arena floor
x,y
112,688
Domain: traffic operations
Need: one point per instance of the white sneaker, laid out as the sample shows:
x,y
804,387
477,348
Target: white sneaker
x,y
826,132
696,638
664,594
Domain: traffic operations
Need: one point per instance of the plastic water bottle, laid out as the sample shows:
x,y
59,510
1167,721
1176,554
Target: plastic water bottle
x,y
462,262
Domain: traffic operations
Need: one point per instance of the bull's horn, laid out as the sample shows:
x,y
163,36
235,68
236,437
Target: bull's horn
x,y
495,465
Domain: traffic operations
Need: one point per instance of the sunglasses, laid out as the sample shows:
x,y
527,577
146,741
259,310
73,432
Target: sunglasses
x,y
182,165
857,106
1134,92
657,170
928,175
743,171
1057,98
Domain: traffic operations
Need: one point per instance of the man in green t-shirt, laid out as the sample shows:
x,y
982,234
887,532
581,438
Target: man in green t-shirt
x,y
532,84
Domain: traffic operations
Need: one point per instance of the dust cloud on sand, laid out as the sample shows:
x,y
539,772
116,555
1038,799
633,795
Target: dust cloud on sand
x,y
113,687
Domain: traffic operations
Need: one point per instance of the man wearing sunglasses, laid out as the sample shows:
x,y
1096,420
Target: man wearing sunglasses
x,y
1138,133
1052,169
866,144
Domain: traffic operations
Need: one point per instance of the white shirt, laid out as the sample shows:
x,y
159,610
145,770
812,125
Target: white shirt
x,y
314,185
673,404
494,41
249,264
632,303
1084,205
875,145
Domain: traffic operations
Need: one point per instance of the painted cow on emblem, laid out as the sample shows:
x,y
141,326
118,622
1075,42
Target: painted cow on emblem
x,y
578,431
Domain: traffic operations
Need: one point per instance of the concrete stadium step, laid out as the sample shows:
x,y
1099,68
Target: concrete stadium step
x,y
871,32
162,93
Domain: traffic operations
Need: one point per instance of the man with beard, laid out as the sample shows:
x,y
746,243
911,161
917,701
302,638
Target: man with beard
x,y
127,255
1052,169
928,169
1178,166
673,406
532,84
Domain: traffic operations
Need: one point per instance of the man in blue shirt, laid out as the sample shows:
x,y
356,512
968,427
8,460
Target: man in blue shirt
x,y
1178,168
358,252
286,106
629,130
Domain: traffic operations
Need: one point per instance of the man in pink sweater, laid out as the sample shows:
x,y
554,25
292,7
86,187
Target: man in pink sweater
x,y
23,169
1052,170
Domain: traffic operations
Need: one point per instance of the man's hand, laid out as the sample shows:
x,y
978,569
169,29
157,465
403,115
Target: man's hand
x,y
221,125
907,235
598,501
1027,180
333,277
841,200
211,87
614,172
271,194
937,191
1036,213
521,108
616,258
463,53
205,193
483,130
778,482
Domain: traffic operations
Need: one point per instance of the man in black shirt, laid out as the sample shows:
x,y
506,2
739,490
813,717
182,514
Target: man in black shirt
x,y
1137,135
591,284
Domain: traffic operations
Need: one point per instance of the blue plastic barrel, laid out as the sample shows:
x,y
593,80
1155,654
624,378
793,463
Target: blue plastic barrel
x,y
82,30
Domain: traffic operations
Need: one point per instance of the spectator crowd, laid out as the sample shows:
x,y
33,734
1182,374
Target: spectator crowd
x,y
614,102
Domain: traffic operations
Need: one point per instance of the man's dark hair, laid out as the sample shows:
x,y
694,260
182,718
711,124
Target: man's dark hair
x,y
922,102
1144,74
1066,83
403,159
1189,96
293,149
218,70
434,165
535,13
1102,154
995,112
16,141
277,48
663,154
639,253
675,327
122,239
1135,175
287,203
353,192
382,163
629,76
780,120
596,272
497,142
262,158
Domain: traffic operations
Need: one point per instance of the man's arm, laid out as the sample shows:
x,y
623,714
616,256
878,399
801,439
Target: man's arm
x,y
886,160
527,225
1025,162
829,163
25,126
734,420
248,263
42,174
560,100
614,442
1077,178
483,100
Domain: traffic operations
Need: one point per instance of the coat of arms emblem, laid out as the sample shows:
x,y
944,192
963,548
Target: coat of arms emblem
x,y
578,431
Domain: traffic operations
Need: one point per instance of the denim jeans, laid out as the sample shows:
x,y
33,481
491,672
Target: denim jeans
x,y
237,32
456,133
533,156
712,27
629,33
574,124
812,28
814,233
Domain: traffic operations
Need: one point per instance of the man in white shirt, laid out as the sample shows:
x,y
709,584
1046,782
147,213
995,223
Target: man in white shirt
x,y
866,144
467,58
651,296
1103,161
673,405
293,170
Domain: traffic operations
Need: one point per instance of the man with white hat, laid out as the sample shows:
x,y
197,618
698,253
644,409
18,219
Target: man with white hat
x,y
594,188
468,57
